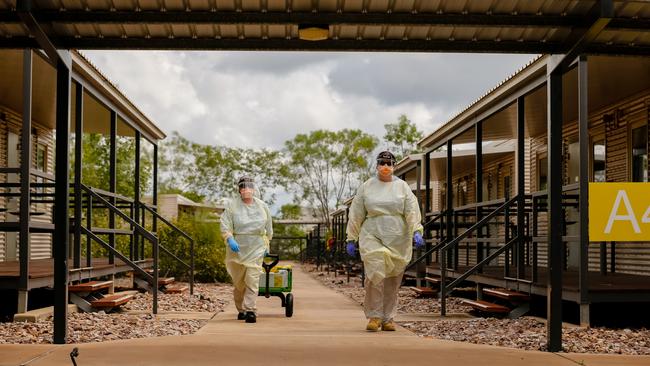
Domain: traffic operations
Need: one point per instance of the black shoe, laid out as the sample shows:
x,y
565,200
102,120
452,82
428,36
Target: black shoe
x,y
251,317
241,316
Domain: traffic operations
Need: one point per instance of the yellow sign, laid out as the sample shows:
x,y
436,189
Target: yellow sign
x,y
619,211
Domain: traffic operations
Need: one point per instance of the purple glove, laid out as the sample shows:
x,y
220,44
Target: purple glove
x,y
351,248
418,240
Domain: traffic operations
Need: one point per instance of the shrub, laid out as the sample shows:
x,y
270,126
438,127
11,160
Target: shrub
x,y
209,250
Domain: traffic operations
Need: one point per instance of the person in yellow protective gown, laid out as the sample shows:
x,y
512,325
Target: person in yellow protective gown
x,y
385,219
247,229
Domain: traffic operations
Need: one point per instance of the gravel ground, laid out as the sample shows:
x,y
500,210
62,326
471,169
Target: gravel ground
x,y
208,297
408,303
99,327
530,334
524,333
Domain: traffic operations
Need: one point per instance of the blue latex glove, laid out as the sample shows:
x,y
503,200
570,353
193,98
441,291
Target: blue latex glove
x,y
418,240
266,253
351,248
232,243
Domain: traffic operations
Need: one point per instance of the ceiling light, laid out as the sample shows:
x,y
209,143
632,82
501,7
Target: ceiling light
x,y
313,32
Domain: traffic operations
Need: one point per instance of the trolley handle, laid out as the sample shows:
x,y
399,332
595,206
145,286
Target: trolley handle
x,y
267,268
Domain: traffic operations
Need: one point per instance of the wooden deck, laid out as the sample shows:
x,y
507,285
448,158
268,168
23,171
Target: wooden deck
x,y
41,271
612,287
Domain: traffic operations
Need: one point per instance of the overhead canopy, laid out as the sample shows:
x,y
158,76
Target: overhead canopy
x,y
526,26
96,113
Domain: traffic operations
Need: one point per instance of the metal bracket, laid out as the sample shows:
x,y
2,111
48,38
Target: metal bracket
x,y
82,303
519,311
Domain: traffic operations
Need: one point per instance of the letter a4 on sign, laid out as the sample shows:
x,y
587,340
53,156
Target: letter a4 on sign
x,y
619,211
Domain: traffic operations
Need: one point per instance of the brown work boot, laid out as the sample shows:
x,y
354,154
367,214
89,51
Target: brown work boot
x,y
373,324
388,326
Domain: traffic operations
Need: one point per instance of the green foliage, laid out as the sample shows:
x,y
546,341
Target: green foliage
x,y
290,211
212,171
288,248
209,250
95,167
326,164
403,135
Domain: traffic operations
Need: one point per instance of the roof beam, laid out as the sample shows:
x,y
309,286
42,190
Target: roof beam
x,y
71,16
603,12
295,44
234,44
23,10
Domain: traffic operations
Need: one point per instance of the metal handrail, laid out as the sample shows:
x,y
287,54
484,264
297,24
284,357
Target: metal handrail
x,y
189,267
109,194
446,245
144,232
480,264
117,253
435,218
479,224
167,222
444,288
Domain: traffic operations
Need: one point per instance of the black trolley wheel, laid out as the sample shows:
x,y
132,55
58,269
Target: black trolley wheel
x,y
288,309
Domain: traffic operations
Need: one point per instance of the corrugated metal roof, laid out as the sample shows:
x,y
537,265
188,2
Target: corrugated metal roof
x,y
110,88
407,25
500,87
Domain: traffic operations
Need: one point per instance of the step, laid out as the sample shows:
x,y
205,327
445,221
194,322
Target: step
x,y
41,314
112,301
506,294
433,280
424,291
164,281
91,286
176,289
487,307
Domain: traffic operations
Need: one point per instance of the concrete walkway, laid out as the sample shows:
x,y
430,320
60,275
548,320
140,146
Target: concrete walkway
x,y
327,329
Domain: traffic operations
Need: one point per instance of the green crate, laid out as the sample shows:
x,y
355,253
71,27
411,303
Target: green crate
x,y
276,289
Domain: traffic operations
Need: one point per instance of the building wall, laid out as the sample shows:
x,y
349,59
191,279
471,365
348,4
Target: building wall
x,y
631,258
168,206
40,244
494,173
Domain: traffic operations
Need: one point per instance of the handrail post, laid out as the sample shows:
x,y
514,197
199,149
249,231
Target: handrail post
x,y
192,267
89,224
155,275
506,224
443,282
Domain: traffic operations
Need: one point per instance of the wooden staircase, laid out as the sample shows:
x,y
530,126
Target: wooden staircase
x,y
512,304
166,284
96,295
427,291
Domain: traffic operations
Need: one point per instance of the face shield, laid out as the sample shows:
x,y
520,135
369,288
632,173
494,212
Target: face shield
x,y
246,188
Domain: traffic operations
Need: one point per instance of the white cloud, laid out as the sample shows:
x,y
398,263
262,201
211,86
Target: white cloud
x,y
263,99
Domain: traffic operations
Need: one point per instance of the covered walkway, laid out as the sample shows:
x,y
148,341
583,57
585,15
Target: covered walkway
x,y
327,329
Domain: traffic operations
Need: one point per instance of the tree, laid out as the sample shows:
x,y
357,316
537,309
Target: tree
x,y
95,165
212,171
326,164
288,248
403,136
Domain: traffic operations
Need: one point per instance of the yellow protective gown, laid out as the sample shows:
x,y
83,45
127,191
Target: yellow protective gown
x,y
252,228
383,218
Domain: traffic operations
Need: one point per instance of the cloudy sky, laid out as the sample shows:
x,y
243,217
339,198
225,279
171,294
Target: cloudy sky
x,y
259,99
